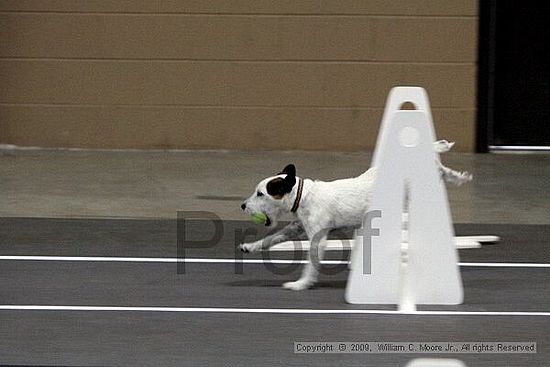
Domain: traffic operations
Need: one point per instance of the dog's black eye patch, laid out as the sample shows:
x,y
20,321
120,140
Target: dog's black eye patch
x,y
278,187
259,193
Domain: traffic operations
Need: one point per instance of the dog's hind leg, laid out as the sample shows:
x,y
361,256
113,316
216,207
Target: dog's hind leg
x,y
452,176
448,174
288,233
311,270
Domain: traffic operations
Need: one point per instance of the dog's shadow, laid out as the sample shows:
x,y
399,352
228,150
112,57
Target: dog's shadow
x,y
266,283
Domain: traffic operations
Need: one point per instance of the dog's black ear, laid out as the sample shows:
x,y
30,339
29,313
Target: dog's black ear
x,y
290,179
289,170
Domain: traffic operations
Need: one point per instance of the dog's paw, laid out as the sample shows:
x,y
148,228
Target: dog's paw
x,y
298,285
250,247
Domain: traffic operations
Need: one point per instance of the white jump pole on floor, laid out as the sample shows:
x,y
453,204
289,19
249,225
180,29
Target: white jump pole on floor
x,y
461,243
422,266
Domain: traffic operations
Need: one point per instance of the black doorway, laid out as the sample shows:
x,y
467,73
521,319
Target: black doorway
x,y
514,75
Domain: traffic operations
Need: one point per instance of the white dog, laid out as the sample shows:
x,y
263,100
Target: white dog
x,y
318,207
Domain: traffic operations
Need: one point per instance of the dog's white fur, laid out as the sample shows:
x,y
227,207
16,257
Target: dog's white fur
x,y
324,206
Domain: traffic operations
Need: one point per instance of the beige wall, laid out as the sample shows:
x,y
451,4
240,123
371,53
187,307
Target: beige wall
x,y
221,74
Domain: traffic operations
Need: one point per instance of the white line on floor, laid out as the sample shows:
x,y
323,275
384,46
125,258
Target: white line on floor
x,y
232,261
506,265
226,261
266,310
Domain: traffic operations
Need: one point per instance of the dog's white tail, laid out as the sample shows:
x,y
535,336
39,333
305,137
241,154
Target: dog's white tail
x,y
443,146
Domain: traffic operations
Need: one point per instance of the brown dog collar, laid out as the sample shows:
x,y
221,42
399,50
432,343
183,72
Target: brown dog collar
x,y
298,196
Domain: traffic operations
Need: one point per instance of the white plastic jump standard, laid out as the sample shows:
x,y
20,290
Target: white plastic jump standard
x,y
407,178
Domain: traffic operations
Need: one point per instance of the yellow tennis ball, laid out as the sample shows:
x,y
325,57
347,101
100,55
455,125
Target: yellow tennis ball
x,y
258,218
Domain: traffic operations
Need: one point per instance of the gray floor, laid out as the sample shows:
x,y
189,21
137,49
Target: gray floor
x,y
506,188
124,204
221,339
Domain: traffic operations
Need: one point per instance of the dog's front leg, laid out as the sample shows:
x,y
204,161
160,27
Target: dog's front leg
x,y
313,267
290,232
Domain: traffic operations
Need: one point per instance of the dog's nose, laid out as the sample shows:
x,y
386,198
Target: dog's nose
x,y
243,206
